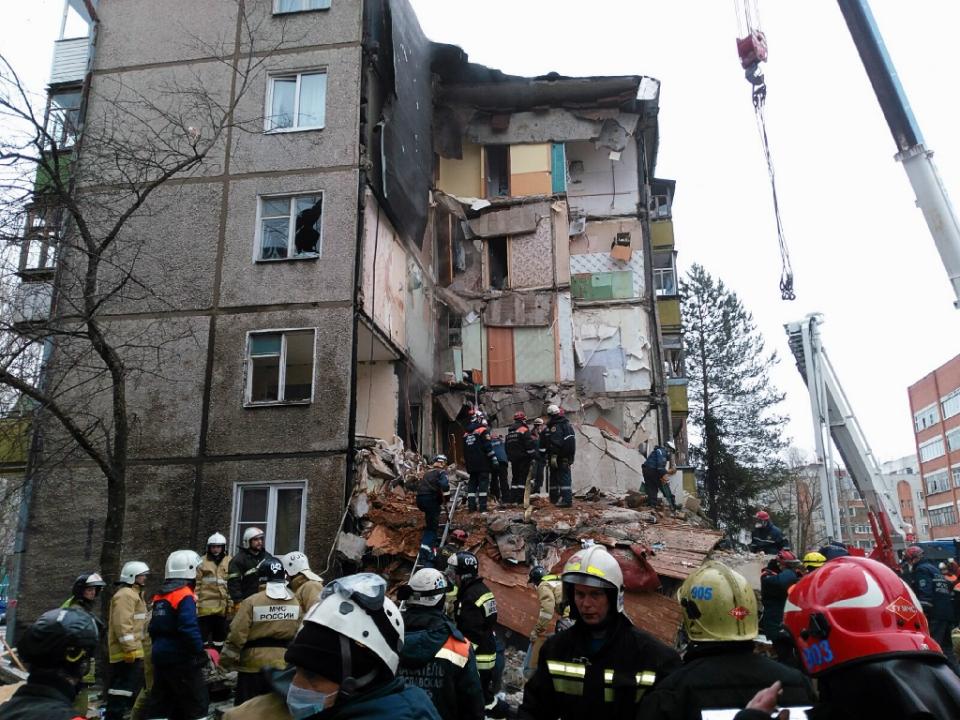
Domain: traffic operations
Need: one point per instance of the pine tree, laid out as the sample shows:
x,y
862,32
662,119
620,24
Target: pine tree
x,y
732,400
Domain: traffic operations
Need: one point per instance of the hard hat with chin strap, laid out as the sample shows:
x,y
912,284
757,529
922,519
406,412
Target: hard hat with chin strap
x,y
296,563
427,588
182,565
249,534
61,638
596,567
216,539
130,571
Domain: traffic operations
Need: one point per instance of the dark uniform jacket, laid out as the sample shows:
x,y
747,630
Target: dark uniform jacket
x,y
558,439
719,676
242,579
174,630
434,484
43,697
520,442
768,539
478,452
933,591
773,595
657,459
439,660
575,682
477,618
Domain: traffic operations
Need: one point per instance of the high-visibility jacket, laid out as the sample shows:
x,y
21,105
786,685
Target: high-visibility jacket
x,y
128,613
476,618
212,595
260,632
173,628
550,597
307,591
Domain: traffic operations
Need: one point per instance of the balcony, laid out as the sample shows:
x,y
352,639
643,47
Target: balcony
x,y
70,60
31,303
669,309
661,234
677,394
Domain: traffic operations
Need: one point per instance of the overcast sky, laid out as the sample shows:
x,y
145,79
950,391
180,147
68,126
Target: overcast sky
x,y
860,249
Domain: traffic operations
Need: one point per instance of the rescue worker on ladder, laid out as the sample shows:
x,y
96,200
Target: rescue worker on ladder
x,y
57,650
550,596
603,665
261,630
521,446
480,460
213,599
128,613
242,575
177,654
304,582
935,596
435,656
720,669
560,448
430,492
86,589
476,618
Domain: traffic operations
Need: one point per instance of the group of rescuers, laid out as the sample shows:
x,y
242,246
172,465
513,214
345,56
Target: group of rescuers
x,y
349,652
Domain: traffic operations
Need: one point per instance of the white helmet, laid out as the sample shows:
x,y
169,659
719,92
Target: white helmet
x,y
249,534
131,569
670,446
426,588
357,607
182,564
216,539
296,563
596,567
553,409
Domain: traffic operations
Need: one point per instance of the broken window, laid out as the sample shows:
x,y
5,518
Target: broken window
x,y
280,367
297,101
497,171
63,118
275,508
290,227
498,263
292,6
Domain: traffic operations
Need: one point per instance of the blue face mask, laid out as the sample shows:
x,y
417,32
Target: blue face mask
x,y
304,702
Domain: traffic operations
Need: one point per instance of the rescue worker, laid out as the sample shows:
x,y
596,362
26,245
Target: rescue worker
x,y
57,650
261,630
766,537
500,475
179,690
480,460
833,550
813,561
776,579
521,447
435,656
86,589
859,632
603,665
242,573
213,599
550,597
720,669
935,596
343,662
458,538
305,584
560,448
430,492
128,613
656,470
540,460
476,618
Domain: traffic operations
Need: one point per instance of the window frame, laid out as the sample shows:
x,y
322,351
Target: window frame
x,y
281,378
952,397
287,74
931,443
291,227
277,11
940,480
271,520
920,417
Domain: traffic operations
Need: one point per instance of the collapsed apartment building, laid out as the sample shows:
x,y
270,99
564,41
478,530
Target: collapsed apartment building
x,y
482,237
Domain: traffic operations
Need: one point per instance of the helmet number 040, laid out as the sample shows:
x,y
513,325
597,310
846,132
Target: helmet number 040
x,y
701,592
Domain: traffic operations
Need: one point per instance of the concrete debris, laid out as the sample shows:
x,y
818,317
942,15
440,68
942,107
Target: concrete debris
x,y
351,546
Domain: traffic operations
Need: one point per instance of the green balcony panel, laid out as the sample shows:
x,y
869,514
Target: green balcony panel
x,y
669,309
661,234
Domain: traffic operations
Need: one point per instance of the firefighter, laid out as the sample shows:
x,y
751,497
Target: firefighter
x,y
936,598
430,492
213,599
560,448
539,460
550,596
128,613
521,446
480,460
859,632
476,618
57,650
177,654
500,475
304,582
720,669
242,571
603,665
435,656
86,589
262,629
776,579
766,537
656,470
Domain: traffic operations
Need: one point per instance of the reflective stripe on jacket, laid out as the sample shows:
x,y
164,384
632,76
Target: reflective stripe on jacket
x,y
128,614
550,597
212,595
260,633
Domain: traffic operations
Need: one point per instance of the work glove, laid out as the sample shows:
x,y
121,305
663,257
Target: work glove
x,y
130,657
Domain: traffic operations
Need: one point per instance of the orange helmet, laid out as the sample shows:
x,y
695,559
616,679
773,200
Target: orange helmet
x,y
854,609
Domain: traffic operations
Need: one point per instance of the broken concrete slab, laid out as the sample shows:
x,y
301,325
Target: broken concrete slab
x,y
520,220
351,546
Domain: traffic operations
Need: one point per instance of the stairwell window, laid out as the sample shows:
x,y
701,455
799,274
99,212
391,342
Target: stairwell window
x,y
277,509
294,6
289,227
280,367
297,101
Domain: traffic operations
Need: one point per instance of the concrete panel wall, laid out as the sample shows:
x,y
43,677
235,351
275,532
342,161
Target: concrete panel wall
x,y
600,235
565,337
385,271
596,190
377,390
531,257
340,23
612,347
534,351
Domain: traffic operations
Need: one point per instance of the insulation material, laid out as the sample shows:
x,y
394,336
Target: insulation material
x,y
602,262
565,332
462,177
612,350
420,322
534,352
384,274
471,335
516,220
519,310
600,186
561,231
531,256
377,389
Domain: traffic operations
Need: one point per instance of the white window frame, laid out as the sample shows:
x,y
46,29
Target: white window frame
x,y
278,11
940,479
920,417
953,440
955,475
954,399
248,368
268,540
931,443
291,228
287,74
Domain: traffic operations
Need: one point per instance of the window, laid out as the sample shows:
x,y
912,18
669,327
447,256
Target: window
x,y
943,516
454,330
937,482
497,170
297,101
292,6
498,263
41,235
925,418
64,118
919,494
931,449
950,404
956,476
861,529
275,508
280,367
290,227
953,440
851,511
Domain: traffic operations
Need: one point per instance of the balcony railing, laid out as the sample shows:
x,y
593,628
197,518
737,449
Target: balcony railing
x,y
69,60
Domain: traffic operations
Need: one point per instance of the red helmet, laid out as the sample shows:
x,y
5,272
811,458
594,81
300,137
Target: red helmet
x,y
786,557
762,515
518,416
854,609
459,536
914,552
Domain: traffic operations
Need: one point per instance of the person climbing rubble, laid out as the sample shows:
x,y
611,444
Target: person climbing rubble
x,y
559,444
521,445
657,469
480,460
431,489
